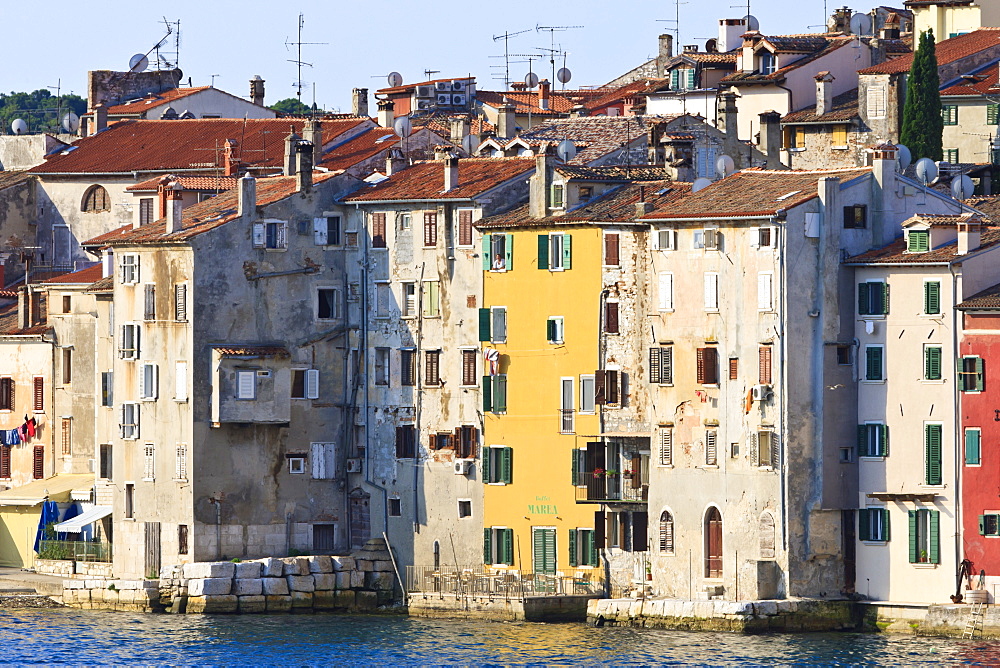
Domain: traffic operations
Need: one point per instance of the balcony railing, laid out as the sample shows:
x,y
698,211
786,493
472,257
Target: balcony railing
x,y
607,486
77,550
502,583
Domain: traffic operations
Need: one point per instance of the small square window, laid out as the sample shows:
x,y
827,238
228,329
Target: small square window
x,y
846,455
296,464
395,508
464,508
844,355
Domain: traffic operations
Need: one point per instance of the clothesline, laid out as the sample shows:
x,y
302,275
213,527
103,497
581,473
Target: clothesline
x,y
22,434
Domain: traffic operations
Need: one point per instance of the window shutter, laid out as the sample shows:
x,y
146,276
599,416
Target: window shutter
x,y
318,457
611,250
312,383
487,251
38,393
567,250
465,227
486,465
932,363
883,440
864,524
873,363
934,553
667,365
764,365
775,451
764,292
500,394
884,287
550,330
666,292
319,231
572,548
180,302
484,324
499,324
180,381
862,440
690,79
508,249
487,546
508,547
674,79
590,550
149,294
246,382
666,447
600,529
932,455
980,376
992,115
543,251
700,372
982,518
378,230
654,365
142,381
971,446
932,297
611,317
711,291
711,451
711,366
863,300
754,450
574,460
38,462
430,229
600,387
912,520
258,235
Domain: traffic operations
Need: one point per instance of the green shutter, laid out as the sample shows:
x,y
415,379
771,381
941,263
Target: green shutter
x,y
918,241
873,363
932,297
550,330
862,440
484,324
935,552
884,441
486,462
932,363
690,79
543,251
487,253
567,251
932,455
913,535
575,463
992,117
864,524
572,548
982,525
590,545
863,301
885,524
507,465
972,455
674,79
980,376
487,546
487,394
508,249
500,394
884,306
508,547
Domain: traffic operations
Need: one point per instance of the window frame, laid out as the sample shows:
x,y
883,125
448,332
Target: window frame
x,y
473,379
555,330
877,531
336,305
978,461
238,376
881,378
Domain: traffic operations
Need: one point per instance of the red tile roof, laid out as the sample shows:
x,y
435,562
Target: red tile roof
x,y
990,205
560,101
896,253
9,325
154,100
367,145
251,351
946,51
601,134
755,192
88,275
213,183
978,84
845,108
13,178
987,300
831,44
196,144
425,180
204,216
106,284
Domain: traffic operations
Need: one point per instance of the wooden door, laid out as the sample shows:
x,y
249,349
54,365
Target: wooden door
x,y
713,544
151,560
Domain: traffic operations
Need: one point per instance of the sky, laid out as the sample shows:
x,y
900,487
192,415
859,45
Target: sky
x,y
358,43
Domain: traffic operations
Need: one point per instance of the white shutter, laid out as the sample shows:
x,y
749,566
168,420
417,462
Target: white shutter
x,y
764,292
317,455
142,380
711,450
812,225
135,420
258,235
754,459
711,292
246,384
282,235
312,383
319,231
154,389
666,447
180,381
180,464
666,291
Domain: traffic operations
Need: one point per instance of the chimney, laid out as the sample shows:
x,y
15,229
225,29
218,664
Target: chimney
x,y
770,138
459,126
578,111
359,102
107,263
666,52
450,172
441,152
230,164
730,124
386,113
538,188
747,63
642,207
247,204
969,235
257,90
394,161
313,133
175,207
543,93
690,48
100,118
304,166
161,196
884,170
24,299
291,141
505,120
730,31
824,92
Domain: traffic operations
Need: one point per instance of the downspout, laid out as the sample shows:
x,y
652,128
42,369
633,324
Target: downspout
x,y
350,394
783,373
420,400
957,402
600,423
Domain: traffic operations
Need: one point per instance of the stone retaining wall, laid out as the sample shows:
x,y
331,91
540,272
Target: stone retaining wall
x,y
69,568
130,595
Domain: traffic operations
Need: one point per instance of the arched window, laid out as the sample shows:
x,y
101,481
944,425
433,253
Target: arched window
x,y
713,543
766,531
666,533
96,199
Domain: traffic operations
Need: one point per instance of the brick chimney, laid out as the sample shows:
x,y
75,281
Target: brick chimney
x,y
304,166
450,172
728,115
313,133
544,88
506,120
824,92
257,90
161,196
291,141
231,164
666,43
386,113
394,162
770,138
247,202
359,102
969,234
175,207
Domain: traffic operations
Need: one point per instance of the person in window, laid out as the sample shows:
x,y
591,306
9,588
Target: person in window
x,y
498,261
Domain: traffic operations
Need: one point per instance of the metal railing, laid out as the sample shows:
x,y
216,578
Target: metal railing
x,y
601,487
76,550
502,583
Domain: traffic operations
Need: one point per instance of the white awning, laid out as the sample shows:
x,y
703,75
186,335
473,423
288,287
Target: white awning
x,y
76,524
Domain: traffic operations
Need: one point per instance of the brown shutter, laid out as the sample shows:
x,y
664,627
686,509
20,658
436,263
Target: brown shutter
x,y
611,250
38,393
4,462
640,531
430,229
611,317
764,355
711,366
38,462
613,386
378,230
465,227
701,366
734,368
600,528
600,391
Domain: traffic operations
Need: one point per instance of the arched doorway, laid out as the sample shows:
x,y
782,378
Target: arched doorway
x,y
713,543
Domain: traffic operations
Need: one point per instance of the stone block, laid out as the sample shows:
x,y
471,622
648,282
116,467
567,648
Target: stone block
x,y
324,600
72,584
251,604
344,600
342,563
302,599
195,605
365,601
320,564
766,607
209,586
296,566
357,579
364,565
384,566
344,579
384,597
304,583
126,596
274,586
210,569
247,587
219,604
248,570
278,603
379,581
272,568
325,581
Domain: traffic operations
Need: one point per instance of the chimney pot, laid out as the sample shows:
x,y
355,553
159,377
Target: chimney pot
x,y
386,113
450,172
770,138
257,90
544,87
247,204
175,208
100,118
506,119
291,141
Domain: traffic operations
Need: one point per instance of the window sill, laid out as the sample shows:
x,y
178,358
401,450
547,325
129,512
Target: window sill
x,y
612,333
840,148
500,484
709,467
973,466
711,310
180,479
871,458
923,565
615,267
873,382
665,466
551,269
871,316
875,543
556,343
275,250
796,149
587,412
147,399
128,519
932,381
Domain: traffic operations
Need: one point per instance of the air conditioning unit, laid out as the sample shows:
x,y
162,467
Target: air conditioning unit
x,y
425,104
462,466
425,91
458,86
458,100
444,86
444,100
762,392
354,465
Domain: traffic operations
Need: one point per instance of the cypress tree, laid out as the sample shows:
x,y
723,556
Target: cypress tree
x,y
922,121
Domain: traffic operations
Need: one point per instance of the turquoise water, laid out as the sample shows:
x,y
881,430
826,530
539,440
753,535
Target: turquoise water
x,y
97,638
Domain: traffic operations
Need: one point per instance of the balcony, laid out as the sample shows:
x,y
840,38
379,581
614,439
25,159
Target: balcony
x,y
612,486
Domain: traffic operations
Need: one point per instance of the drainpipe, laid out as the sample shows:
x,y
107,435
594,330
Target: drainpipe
x,y
782,372
600,421
957,402
349,394
420,399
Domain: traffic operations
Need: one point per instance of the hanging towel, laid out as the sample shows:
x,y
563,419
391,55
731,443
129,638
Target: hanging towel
x,y
31,427
12,437
492,357
22,431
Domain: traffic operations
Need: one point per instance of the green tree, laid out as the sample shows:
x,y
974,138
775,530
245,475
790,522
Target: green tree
x,y
922,121
292,107
42,110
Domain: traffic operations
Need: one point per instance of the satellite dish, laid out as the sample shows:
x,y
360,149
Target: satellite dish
x,y
19,127
531,80
725,166
962,187
470,143
566,150
700,184
861,24
927,171
395,79
752,22
402,126
564,75
904,156
712,46
71,122
138,63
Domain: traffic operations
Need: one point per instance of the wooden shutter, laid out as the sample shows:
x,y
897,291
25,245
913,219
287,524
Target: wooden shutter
x,y
667,365
258,235
862,440
611,250
487,394
487,546
864,524
465,227
932,297
775,450
573,559
932,454
312,383
487,252
992,115
675,76
980,375
4,462
468,367
430,229
934,537
611,317
320,232
883,289
654,365
754,450
317,453
764,365
708,366
431,367
640,531
864,299
378,230
932,363
700,371
690,83
543,251
666,293
508,251
600,529
612,386
507,535
873,363
711,449
912,521
149,293
972,446
600,387
666,447
500,393
38,462
567,251
484,324
487,465
180,302
883,430
764,302
734,368
38,393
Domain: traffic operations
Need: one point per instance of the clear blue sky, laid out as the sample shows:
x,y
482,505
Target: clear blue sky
x,y
55,40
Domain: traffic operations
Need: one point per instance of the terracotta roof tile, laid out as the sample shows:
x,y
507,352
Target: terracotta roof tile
x,y
845,108
831,44
439,123
106,284
153,100
990,205
12,178
947,51
88,275
940,220
367,145
602,134
251,351
987,300
895,253
979,83
425,180
212,183
9,325
615,172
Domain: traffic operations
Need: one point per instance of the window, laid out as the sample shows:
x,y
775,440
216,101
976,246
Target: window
x,y
38,394
469,378
498,546
105,471
856,217
6,394
328,304
180,302
971,374
493,324
873,524
992,115
711,448
381,366
441,441
666,447
873,298
666,533
932,297
272,235
430,230
149,302
465,227
765,301
405,220
765,450
464,508
129,501
383,300
711,291
989,524
734,368
146,211
555,252
180,381
874,368
495,393
839,135
95,200
661,365
951,155
107,388
949,113
129,269
432,367
326,231
498,252
584,193
587,394
149,462
666,291
409,299
666,240
246,384
708,366
973,453
466,439
764,365
876,101
932,454
130,420
67,435
297,465
844,355
567,399
932,362
764,237
432,299
180,462
610,317
5,463
707,239
582,548
607,387
378,230
498,465
918,241
557,196
768,62
67,366
149,381
611,248
554,329
925,533
873,440
408,366
67,305
406,441
129,346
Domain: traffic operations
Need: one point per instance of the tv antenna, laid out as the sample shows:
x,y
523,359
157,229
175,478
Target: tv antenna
x,y
676,21
428,73
552,43
506,53
168,60
298,60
